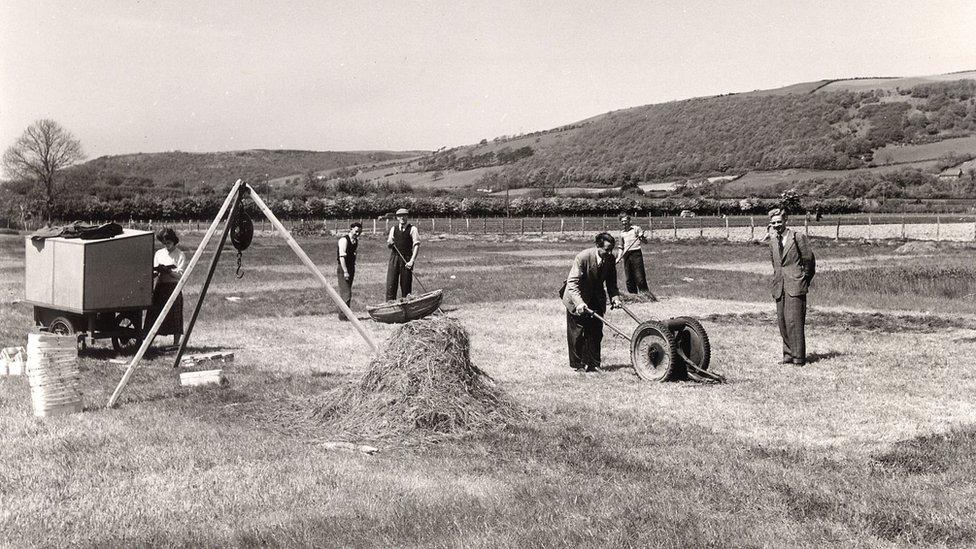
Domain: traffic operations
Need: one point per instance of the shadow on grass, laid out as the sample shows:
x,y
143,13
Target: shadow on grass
x,y
817,357
108,353
939,453
616,367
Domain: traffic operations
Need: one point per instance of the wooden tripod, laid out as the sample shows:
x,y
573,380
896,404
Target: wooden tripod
x,y
238,192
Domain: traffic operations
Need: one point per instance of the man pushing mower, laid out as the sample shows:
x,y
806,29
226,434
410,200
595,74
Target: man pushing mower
x,y
591,279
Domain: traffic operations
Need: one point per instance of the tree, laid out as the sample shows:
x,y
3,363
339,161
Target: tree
x,y
43,149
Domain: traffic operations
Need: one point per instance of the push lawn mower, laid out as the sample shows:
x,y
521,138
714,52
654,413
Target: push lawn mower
x,y
676,349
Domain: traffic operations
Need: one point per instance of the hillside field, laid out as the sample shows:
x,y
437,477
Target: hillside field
x,y
868,445
892,153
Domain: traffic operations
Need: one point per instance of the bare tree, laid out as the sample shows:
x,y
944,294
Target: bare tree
x,y
43,149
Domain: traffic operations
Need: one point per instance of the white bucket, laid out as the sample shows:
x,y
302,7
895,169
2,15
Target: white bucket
x,y
52,369
12,361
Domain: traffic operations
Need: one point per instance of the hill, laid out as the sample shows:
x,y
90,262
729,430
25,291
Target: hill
x,y
885,83
905,138
818,126
187,171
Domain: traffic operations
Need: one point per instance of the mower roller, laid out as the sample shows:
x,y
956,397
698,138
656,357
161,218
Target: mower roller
x,y
671,350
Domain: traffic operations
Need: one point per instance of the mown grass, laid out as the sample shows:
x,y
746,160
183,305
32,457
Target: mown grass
x,y
871,445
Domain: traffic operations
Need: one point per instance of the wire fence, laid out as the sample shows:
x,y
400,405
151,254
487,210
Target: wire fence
x,y
952,227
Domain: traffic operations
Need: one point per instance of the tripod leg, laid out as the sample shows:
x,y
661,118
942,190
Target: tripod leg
x,y
206,284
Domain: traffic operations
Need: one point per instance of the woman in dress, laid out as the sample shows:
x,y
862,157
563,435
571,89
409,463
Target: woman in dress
x,y
168,265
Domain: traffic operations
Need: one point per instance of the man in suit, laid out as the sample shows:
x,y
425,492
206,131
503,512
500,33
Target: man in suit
x,y
793,268
591,278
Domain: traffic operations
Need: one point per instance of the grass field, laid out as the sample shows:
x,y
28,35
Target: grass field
x,y
765,183
928,151
870,445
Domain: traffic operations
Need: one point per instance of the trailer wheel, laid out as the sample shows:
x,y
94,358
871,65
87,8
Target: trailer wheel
x,y
653,353
61,325
129,337
692,341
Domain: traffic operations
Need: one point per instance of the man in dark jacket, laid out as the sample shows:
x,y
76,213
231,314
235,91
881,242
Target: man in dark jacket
x,y
793,268
591,278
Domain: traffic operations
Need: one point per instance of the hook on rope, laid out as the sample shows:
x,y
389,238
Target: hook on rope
x,y
239,273
241,235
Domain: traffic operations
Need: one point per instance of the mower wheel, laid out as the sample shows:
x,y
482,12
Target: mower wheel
x,y
653,353
692,341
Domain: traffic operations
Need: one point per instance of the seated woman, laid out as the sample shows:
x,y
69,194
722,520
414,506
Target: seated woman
x,y
168,265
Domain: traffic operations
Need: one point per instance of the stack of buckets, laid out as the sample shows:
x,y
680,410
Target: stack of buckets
x,y
52,369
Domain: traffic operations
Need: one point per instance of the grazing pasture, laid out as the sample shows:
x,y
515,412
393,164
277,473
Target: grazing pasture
x,y
870,444
897,153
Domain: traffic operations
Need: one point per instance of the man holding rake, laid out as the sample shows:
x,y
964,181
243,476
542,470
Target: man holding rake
x,y
631,237
404,242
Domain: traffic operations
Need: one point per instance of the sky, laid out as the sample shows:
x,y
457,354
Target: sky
x,y
127,77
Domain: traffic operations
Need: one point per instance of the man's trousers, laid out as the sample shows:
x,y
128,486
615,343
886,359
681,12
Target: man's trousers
x,y
398,273
345,287
792,314
584,335
634,272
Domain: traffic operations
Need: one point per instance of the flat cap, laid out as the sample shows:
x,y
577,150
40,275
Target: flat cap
x,y
402,211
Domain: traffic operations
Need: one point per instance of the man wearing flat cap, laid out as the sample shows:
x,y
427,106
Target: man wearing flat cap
x,y
793,268
591,279
404,242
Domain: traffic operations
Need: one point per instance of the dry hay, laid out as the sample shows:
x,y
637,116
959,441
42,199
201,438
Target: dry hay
x,y
422,385
641,297
923,247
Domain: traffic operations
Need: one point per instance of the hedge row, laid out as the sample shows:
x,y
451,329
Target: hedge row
x,y
92,208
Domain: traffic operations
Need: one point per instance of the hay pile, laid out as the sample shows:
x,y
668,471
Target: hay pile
x,y
422,385
641,297
923,247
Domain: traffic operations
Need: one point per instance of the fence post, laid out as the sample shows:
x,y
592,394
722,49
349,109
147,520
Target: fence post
x,y
903,230
728,235
433,227
701,228
869,221
674,225
542,228
806,225
837,234
386,225
562,225
522,226
650,227
938,228
374,225
450,225
467,224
